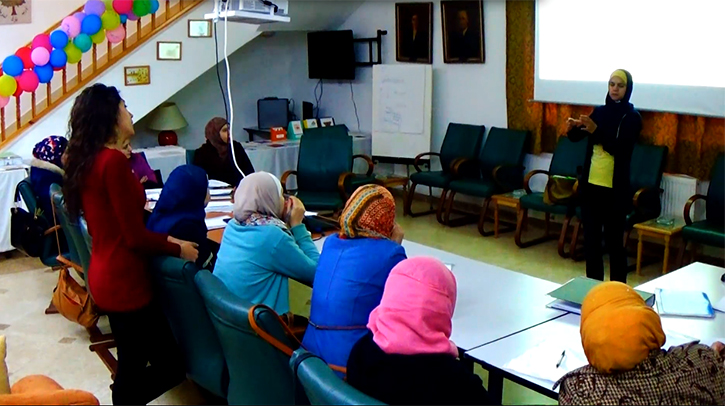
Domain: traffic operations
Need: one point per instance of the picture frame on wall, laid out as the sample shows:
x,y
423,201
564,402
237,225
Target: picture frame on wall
x,y
463,39
327,122
168,50
199,29
16,12
137,75
414,32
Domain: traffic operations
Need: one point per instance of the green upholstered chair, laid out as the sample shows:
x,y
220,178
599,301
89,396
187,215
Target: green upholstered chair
x,y
324,169
710,231
462,141
190,156
567,160
189,321
498,168
258,372
647,167
49,250
321,385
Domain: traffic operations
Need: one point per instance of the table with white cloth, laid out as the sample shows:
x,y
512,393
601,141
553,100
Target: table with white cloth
x,y
164,159
10,176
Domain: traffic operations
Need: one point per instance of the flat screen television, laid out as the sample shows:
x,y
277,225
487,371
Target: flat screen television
x,y
331,55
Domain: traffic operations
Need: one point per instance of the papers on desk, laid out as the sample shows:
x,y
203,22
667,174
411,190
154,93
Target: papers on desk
x,y
216,222
310,214
216,184
720,305
685,303
220,192
220,207
541,360
570,295
153,194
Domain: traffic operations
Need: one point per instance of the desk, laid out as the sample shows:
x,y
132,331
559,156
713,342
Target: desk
x,y
165,159
9,179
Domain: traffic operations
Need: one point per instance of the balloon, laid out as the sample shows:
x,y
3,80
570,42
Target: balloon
x,y
117,35
98,37
91,24
24,54
8,85
4,100
40,56
58,68
83,42
18,91
79,16
59,39
122,6
141,7
94,7
28,81
108,4
45,73
58,59
71,26
42,41
74,54
13,66
124,18
154,6
132,16
110,20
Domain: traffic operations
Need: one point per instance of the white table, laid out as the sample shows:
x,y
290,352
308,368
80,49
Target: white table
x,y
9,179
165,159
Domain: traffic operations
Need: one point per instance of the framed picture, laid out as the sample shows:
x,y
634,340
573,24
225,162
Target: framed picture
x,y
463,40
414,32
310,123
168,51
15,12
200,28
137,75
327,122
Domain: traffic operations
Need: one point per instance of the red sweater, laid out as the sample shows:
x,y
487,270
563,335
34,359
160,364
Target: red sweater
x,y
113,203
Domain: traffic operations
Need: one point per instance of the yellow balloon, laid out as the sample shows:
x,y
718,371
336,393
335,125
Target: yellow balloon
x,y
74,54
109,4
110,20
99,37
8,85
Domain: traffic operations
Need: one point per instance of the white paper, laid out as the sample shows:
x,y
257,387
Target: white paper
x,y
720,305
540,361
153,194
310,213
216,222
220,207
213,183
682,303
220,192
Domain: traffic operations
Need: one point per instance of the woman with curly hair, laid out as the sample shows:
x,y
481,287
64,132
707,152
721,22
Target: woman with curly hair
x,y
100,185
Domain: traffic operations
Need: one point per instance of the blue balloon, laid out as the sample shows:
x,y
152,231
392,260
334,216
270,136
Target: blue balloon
x,y
91,24
45,73
154,6
58,58
83,42
124,18
58,39
13,65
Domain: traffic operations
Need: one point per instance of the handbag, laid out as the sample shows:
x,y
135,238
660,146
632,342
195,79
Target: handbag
x,y
559,190
27,230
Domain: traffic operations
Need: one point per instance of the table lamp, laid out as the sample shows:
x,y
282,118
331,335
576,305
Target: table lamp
x,y
166,119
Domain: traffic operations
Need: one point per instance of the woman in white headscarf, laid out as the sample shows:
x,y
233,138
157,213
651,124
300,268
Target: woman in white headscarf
x,y
260,250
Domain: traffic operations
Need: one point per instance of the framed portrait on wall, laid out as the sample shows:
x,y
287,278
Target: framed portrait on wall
x,y
414,32
463,40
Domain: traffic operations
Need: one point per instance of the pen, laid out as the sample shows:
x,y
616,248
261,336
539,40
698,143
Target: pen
x,y
563,354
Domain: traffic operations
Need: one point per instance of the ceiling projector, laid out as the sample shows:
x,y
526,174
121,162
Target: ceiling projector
x,y
250,11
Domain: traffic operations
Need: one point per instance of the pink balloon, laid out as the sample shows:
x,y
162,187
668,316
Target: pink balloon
x,y
4,100
71,26
122,6
40,56
42,41
28,81
116,35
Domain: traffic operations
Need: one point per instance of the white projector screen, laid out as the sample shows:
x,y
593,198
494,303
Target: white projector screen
x,y
673,49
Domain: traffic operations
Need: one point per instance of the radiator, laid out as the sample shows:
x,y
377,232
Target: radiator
x,y
677,190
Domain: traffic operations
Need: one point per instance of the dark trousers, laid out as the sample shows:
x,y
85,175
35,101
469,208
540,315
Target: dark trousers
x,y
601,209
149,360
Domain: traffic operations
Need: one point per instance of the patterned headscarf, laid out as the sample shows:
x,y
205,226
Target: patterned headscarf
x,y
369,213
211,132
51,149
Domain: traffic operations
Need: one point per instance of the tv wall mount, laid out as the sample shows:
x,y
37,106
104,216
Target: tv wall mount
x,y
370,41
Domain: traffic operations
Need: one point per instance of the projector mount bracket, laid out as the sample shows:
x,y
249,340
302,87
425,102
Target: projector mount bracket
x,y
370,41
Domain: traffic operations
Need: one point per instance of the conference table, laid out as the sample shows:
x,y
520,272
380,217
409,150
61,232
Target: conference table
x,y
497,356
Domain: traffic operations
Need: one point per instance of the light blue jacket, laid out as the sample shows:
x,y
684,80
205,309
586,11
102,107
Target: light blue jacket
x,y
254,262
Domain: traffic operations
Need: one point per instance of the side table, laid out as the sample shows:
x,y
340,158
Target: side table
x,y
653,229
511,200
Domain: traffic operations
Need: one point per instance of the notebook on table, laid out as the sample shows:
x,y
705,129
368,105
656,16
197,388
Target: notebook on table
x,y
570,296
683,303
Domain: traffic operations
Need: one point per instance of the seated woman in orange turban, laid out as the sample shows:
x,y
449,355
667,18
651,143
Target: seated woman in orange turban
x,y
622,339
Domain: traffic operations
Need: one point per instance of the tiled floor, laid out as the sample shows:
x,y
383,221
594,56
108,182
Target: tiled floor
x,y
53,346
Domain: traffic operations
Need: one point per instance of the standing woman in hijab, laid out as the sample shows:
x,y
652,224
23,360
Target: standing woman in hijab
x,y
349,281
215,156
407,357
611,132
46,168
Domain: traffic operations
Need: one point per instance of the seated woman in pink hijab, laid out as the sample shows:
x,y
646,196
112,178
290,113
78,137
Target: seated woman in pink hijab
x,y
408,357
141,168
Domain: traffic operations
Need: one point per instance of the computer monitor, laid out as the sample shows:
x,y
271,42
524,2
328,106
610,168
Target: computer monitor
x,y
272,112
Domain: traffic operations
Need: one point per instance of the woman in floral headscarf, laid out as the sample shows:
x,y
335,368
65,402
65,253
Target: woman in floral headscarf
x,y
352,271
47,168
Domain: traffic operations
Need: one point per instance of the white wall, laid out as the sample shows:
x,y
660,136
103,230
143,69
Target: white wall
x,y
167,77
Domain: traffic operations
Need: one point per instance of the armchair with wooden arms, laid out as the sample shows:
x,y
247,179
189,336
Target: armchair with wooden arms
x,y
568,157
462,141
711,230
497,169
324,169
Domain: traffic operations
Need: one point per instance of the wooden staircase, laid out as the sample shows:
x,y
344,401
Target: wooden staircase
x,y
25,110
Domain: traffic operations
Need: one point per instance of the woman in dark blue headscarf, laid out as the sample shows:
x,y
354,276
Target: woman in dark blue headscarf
x,y
47,168
180,211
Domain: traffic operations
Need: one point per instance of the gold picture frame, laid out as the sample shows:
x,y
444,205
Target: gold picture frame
x,y
137,75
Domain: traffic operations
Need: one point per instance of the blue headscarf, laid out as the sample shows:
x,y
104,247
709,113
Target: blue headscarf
x,y
51,149
182,198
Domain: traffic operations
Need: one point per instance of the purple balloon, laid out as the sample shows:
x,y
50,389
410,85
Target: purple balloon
x,y
79,16
132,16
95,7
